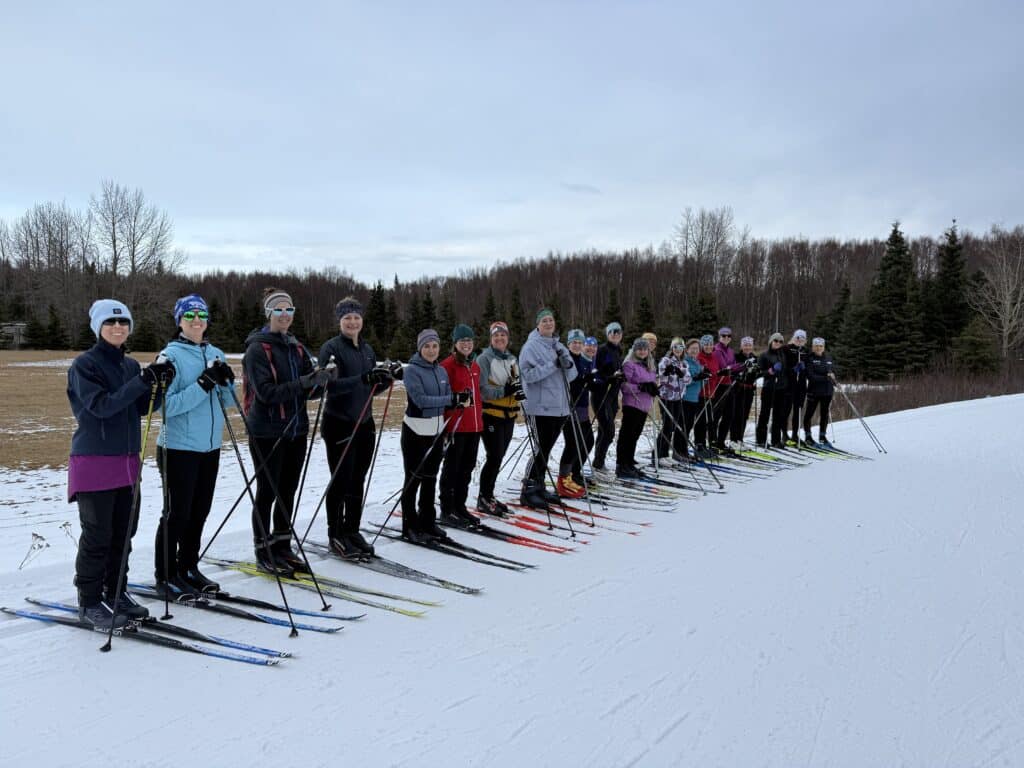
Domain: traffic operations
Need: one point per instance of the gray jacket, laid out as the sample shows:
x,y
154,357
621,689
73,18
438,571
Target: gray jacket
x,y
545,366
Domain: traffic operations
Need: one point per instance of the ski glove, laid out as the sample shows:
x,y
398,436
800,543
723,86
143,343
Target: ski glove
x,y
317,378
777,368
396,370
222,373
461,399
617,376
377,377
511,387
158,373
207,379
649,387
519,395
799,368
702,375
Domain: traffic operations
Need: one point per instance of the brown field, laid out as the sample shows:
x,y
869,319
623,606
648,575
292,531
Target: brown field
x,y
36,422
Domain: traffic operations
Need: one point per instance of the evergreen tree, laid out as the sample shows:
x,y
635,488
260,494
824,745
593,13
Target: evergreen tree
x,y
429,311
517,326
241,323
490,308
393,322
916,349
976,350
86,338
144,337
829,325
56,338
219,332
951,310
888,317
447,320
403,343
35,333
414,317
612,310
702,315
643,318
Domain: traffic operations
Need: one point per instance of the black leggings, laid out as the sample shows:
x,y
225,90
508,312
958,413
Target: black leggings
x,y
421,456
104,516
281,472
459,463
632,427
701,429
723,407
496,437
578,439
606,411
345,495
743,399
189,480
673,429
545,433
774,407
821,402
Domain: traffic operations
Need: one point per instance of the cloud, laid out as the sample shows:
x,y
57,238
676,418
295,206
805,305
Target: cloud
x,y
581,189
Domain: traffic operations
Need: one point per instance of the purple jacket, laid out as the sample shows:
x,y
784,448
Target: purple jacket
x,y
636,373
726,359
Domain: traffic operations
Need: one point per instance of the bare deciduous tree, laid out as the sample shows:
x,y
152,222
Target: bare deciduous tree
x,y
999,299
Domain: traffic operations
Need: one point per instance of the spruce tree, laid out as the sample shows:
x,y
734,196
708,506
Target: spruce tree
x,y
414,316
219,332
446,320
952,312
517,325
612,310
56,338
490,307
643,318
428,311
976,350
888,318
702,315
916,349
35,333
375,321
85,338
144,337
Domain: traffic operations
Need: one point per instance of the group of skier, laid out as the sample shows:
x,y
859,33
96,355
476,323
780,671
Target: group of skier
x,y
700,391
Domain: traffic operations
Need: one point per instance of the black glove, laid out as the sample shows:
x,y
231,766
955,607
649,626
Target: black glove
x,y
671,370
617,376
649,387
317,378
207,380
396,370
377,377
519,395
222,373
158,373
511,387
461,399
702,375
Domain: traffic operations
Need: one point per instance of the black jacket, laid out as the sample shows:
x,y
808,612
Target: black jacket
x,y
794,356
347,394
107,397
818,369
607,361
746,375
767,361
272,365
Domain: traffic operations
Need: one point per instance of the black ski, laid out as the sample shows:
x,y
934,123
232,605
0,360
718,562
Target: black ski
x,y
452,547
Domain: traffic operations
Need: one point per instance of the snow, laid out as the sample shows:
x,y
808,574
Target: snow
x,y
849,613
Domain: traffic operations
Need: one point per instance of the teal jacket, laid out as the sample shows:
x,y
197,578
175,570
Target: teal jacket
x,y
195,421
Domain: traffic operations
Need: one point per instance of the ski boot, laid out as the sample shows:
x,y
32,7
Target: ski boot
x,y
100,617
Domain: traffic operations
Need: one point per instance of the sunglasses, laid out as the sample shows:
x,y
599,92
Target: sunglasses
x,y
117,321
283,310
725,335
192,315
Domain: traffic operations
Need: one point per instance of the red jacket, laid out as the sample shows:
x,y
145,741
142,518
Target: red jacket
x,y
464,376
707,389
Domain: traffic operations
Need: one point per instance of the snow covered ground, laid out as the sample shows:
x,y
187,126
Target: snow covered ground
x,y
845,614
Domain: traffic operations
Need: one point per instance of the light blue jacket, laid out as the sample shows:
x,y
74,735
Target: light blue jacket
x,y
692,392
542,362
195,421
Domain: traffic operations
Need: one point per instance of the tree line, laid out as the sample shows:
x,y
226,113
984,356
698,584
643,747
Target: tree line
x,y
888,307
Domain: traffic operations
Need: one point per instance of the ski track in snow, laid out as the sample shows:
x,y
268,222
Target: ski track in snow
x,y
844,614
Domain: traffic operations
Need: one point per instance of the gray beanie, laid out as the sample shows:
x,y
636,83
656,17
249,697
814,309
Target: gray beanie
x,y
426,335
348,306
706,339
104,309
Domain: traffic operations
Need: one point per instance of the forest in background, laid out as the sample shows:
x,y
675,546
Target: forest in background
x,y
888,307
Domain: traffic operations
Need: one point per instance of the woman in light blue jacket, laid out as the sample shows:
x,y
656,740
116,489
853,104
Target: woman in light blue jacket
x,y
188,448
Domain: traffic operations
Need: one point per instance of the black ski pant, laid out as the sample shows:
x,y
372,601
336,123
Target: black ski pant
x,y
821,402
774,408
606,412
545,434
722,406
691,411
104,516
796,398
459,463
421,457
743,399
189,479
701,428
281,473
578,439
345,494
633,420
496,437
673,429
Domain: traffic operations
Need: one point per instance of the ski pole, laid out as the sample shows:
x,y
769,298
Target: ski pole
x,y
277,498
577,436
871,434
133,516
376,448
165,513
677,428
312,440
547,471
341,460
415,473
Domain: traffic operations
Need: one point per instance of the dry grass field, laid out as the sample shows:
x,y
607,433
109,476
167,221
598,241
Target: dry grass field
x,y
36,422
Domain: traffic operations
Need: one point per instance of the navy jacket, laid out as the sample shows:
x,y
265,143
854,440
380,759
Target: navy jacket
x,y
818,369
107,397
274,394
347,394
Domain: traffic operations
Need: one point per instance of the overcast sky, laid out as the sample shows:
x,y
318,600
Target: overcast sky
x,y
424,137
